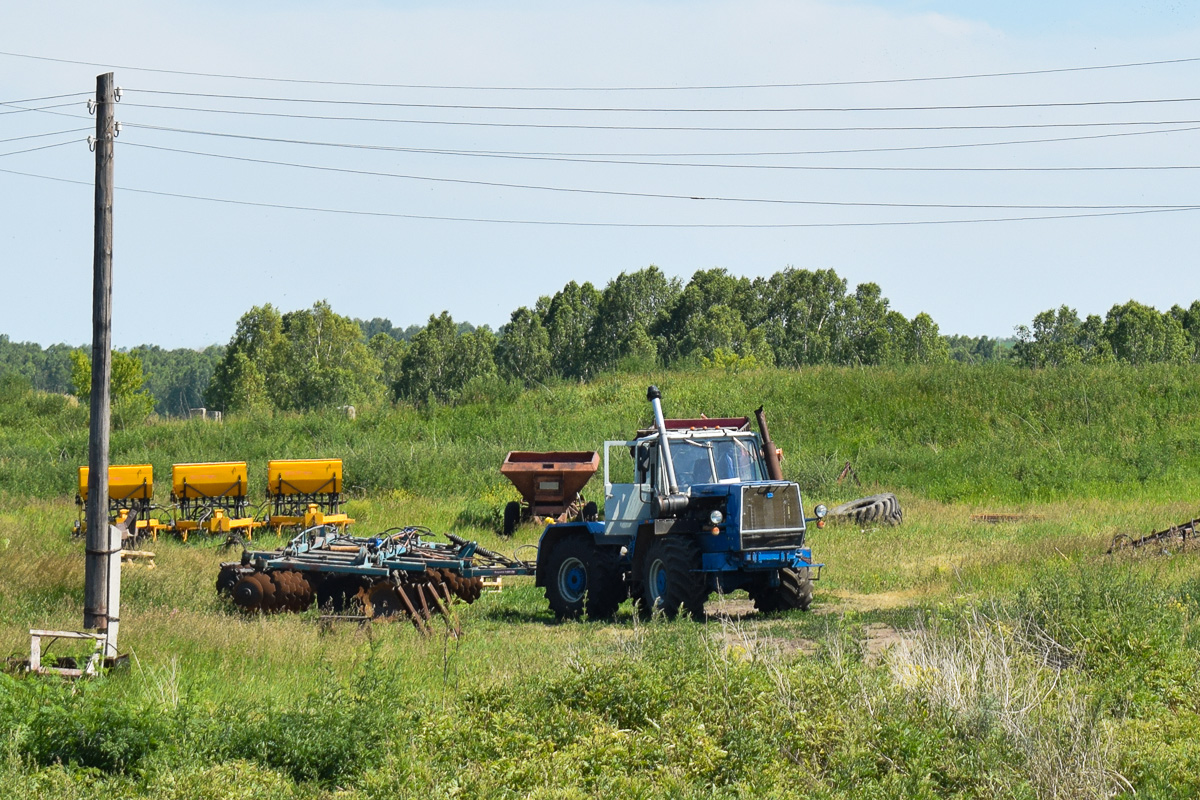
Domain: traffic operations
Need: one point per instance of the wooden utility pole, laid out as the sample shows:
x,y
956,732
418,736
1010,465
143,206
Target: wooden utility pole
x,y
100,544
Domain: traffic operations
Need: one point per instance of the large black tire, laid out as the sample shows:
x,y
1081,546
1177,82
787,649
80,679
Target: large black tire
x,y
583,577
512,518
671,577
794,592
606,589
876,509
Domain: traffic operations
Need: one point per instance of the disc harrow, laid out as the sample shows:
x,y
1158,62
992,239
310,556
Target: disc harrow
x,y
399,573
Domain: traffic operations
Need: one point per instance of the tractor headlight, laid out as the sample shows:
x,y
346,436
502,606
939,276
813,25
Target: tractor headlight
x,y
821,511
716,517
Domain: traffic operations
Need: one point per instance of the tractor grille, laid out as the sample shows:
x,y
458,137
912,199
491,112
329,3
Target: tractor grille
x,y
771,517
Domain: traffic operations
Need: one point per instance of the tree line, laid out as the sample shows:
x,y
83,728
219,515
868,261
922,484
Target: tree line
x,y
315,358
1130,333
639,320
173,380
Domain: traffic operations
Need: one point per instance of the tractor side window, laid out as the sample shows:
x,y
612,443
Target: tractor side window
x,y
621,466
645,457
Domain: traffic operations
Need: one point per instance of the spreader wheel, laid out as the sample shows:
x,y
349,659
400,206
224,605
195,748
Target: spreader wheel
x,y
512,517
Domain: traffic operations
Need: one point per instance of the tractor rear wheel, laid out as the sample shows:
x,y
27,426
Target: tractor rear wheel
x,y
581,576
671,577
794,592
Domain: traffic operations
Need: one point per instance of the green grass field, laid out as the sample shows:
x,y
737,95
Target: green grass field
x,y
943,658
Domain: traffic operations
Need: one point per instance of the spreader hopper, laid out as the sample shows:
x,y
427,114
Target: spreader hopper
x,y
550,485
210,497
305,493
130,487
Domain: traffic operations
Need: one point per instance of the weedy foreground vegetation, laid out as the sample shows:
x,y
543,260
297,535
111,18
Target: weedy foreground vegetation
x,y
944,658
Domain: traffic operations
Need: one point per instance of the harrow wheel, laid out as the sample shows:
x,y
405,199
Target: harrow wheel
x,y
338,594
277,591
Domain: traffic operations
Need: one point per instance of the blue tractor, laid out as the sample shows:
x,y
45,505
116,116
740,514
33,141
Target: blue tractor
x,y
691,506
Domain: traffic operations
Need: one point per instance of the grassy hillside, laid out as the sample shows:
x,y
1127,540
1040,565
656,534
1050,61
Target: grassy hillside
x,y
981,434
942,659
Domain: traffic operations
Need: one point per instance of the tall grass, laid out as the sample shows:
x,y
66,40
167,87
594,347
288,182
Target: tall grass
x,y
973,433
1028,664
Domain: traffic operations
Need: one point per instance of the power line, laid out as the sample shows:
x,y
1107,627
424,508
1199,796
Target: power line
x,y
570,223
904,148
623,158
796,129
46,109
625,109
40,135
40,99
42,147
968,76
646,195
545,126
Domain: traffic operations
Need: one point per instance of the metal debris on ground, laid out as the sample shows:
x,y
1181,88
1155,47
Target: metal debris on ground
x,y
848,471
142,558
1183,533
995,519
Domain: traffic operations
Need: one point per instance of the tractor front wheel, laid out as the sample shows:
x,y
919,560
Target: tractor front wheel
x,y
567,577
794,592
671,578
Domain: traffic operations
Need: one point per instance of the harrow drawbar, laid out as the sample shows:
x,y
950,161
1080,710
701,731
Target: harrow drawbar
x,y
400,572
1183,533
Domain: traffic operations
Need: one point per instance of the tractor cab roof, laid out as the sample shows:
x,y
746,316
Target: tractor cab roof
x,y
702,424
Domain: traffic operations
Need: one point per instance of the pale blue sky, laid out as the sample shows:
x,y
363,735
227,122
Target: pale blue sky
x,y
186,269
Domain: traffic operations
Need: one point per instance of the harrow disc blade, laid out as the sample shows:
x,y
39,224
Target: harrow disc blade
x,y
248,594
383,600
227,579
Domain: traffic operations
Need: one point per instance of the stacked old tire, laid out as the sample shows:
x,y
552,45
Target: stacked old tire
x,y
870,511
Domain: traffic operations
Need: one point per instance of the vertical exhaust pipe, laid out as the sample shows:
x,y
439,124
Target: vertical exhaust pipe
x,y
770,452
673,502
655,398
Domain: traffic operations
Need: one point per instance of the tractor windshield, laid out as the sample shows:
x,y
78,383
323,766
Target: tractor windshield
x,y
731,460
